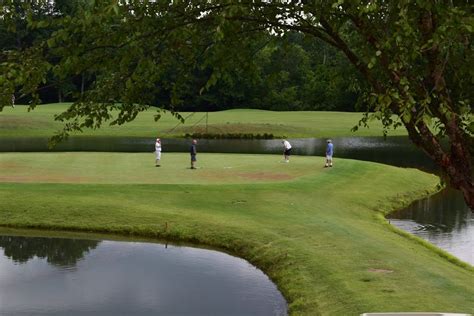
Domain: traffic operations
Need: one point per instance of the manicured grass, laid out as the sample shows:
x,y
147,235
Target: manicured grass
x,y
318,233
18,122
138,168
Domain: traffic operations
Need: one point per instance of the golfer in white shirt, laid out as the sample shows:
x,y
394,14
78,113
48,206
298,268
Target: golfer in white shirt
x,y
287,150
158,152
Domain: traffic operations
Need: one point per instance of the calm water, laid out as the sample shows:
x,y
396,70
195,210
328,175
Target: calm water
x,y
52,276
442,219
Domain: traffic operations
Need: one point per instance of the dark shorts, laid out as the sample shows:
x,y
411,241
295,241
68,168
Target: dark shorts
x,y
288,151
193,157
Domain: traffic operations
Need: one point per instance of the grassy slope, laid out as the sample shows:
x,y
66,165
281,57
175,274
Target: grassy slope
x,y
316,232
19,122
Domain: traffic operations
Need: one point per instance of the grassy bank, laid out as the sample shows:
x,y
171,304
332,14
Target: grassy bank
x,y
17,122
316,232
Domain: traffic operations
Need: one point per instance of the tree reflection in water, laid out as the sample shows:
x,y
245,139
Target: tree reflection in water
x,y
445,212
59,252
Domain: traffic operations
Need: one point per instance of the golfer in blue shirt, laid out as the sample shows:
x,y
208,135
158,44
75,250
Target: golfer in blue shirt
x,y
329,152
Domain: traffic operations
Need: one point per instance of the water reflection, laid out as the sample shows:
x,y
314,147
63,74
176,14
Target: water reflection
x,y
131,278
59,252
444,220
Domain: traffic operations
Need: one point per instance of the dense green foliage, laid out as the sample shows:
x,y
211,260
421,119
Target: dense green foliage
x,y
318,233
286,73
282,73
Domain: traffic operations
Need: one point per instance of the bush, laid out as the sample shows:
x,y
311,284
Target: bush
x,y
229,136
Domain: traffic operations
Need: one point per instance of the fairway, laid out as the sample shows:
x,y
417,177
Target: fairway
x,y
18,122
318,233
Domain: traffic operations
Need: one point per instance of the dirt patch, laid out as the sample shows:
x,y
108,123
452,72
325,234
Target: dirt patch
x,y
266,176
239,128
381,271
233,176
9,165
44,179
16,122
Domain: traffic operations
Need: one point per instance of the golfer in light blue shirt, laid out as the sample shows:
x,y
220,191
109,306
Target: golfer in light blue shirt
x,y
329,152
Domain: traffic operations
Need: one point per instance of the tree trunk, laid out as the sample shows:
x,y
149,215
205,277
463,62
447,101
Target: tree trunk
x,y
455,165
82,84
459,175
464,184
460,169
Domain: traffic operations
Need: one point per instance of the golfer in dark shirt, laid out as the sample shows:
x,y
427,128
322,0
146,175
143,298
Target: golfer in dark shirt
x,y
193,153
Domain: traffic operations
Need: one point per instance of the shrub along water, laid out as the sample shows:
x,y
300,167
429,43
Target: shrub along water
x,y
229,136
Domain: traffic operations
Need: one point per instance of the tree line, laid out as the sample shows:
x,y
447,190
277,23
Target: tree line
x,y
282,73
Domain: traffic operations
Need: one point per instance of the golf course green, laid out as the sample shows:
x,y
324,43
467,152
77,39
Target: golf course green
x,y
18,122
318,233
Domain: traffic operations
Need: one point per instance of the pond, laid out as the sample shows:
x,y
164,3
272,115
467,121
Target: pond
x,y
55,276
442,219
